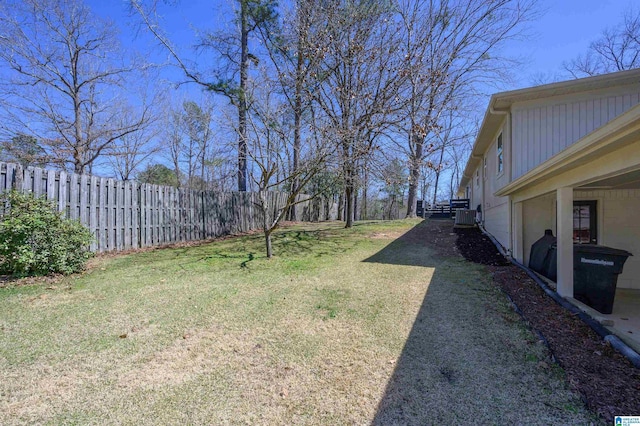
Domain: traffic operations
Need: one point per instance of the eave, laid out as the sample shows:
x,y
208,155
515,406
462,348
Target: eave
x,y
619,132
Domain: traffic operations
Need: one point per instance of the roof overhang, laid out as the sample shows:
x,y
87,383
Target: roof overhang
x,y
500,105
619,132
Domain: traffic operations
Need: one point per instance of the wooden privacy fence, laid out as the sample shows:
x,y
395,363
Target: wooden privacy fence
x,y
126,214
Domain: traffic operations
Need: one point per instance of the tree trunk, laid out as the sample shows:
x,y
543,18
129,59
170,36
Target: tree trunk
x,y
266,228
242,101
340,207
267,239
438,171
297,123
415,161
363,214
355,204
348,211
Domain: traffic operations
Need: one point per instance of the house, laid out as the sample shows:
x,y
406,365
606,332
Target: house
x,y
566,157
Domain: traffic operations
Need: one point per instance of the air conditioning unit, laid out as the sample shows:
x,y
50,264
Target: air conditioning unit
x,y
465,217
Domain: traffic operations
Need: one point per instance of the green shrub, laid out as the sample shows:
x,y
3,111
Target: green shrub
x,y
35,239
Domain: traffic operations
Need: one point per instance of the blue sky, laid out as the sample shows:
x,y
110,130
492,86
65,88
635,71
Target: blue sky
x,y
564,29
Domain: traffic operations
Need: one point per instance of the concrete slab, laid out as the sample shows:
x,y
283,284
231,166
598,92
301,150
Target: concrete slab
x,y
624,321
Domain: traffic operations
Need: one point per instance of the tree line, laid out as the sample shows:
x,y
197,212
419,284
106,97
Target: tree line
x,y
371,103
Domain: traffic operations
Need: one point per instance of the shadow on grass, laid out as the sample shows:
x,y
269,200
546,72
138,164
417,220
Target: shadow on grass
x,y
453,367
409,249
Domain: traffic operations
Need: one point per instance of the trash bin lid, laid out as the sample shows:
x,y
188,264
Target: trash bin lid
x,y
598,249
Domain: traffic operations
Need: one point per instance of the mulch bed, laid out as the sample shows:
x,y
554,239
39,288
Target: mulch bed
x,y
607,381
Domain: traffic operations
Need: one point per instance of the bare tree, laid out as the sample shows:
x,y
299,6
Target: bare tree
x,y
64,74
270,143
133,150
359,94
452,135
448,47
394,176
231,78
293,49
188,142
617,49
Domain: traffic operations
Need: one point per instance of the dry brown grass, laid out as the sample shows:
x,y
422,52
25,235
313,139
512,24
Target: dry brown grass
x,y
323,334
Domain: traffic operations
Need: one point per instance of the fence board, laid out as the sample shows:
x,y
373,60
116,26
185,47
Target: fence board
x,y
93,210
125,214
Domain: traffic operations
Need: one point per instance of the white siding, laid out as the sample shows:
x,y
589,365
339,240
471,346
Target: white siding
x,y
497,223
541,130
496,209
538,214
476,193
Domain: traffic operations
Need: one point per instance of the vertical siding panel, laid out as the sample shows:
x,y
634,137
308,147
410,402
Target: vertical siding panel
x,y
515,145
611,112
575,123
589,117
522,146
528,153
548,152
626,101
556,130
535,135
536,139
584,119
562,122
597,113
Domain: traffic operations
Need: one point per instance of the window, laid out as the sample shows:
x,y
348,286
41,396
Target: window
x,y
584,222
478,177
500,154
484,168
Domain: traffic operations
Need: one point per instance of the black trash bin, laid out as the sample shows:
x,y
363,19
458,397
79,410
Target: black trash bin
x,y
595,274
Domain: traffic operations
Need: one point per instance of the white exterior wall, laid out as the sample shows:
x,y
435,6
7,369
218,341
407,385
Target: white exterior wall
x,y
538,214
542,129
495,210
476,190
619,227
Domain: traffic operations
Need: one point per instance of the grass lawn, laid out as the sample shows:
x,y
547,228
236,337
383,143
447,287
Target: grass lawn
x,y
359,326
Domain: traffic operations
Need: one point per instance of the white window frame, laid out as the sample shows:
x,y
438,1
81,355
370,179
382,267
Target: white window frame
x,y
500,154
484,168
